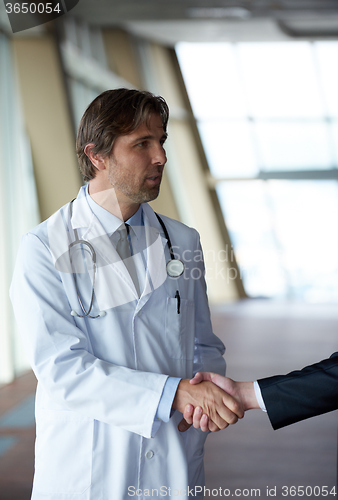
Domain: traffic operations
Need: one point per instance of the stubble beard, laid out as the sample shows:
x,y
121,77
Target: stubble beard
x,y
143,195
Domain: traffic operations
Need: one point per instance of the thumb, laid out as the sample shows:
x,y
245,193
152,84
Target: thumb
x,y
183,425
201,376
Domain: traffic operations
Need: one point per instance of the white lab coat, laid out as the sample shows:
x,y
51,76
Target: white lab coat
x,y
100,380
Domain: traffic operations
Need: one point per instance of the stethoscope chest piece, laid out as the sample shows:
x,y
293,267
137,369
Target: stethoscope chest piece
x,y
175,268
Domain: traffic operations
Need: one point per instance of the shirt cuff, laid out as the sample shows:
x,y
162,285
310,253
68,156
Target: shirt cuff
x,y
164,409
259,397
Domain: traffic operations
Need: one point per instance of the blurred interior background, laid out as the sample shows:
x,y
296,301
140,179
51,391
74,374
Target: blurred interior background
x,y
252,165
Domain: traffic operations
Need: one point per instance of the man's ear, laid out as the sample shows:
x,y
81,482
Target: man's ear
x,y
96,159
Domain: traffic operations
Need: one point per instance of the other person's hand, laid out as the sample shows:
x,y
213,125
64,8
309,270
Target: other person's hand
x,y
220,408
242,392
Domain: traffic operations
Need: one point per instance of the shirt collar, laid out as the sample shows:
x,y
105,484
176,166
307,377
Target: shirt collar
x,y
110,222
137,222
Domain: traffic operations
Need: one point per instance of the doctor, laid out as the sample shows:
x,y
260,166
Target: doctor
x,y
112,333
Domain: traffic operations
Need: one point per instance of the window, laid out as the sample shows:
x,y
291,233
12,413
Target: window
x,y
18,206
268,119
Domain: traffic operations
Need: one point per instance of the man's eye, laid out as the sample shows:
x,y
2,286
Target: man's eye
x,y
141,144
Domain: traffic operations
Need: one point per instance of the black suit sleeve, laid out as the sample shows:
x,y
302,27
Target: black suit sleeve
x,y
301,394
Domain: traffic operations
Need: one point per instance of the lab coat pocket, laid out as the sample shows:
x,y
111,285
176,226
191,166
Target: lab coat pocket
x,y
180,328
63,453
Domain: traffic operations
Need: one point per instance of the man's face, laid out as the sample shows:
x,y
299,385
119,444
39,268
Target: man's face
x,y
137,162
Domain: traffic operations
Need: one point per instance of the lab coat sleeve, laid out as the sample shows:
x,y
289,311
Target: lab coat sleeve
x,y
71,375
209,349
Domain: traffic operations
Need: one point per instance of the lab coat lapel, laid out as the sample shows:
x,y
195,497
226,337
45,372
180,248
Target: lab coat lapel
x,y
90,229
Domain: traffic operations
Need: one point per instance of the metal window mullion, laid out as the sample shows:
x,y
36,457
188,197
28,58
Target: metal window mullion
x,y
327,118
250,117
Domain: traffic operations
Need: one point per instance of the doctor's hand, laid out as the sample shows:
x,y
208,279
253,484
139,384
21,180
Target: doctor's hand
x,y
242,392
220,408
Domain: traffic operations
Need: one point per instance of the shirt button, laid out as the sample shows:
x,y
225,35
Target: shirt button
x,y
149,454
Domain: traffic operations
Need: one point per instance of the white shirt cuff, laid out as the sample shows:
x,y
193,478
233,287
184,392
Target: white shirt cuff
x,y
259,397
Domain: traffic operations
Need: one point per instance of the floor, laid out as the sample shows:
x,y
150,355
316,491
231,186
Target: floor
x,y
17,434
246,460
264,338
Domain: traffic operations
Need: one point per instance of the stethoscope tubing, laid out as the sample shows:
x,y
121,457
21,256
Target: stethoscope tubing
x,y
93,256
166,234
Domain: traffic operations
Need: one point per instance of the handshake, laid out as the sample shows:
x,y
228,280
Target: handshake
x,y
211,402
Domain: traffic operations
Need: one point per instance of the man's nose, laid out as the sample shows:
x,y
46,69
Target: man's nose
x,y
159,155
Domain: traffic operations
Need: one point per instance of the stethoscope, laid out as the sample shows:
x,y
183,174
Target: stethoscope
x,y
174,267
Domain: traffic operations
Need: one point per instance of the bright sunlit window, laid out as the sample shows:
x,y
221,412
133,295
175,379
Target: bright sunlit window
x,y
267,114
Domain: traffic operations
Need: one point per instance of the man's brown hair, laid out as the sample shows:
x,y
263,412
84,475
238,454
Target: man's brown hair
x,y
114,113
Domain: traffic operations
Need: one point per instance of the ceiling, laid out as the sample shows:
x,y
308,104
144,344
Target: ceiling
x,y
171,21
105,12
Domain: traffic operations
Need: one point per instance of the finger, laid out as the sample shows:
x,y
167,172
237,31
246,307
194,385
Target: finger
x,y
197,378
200,376
234,406
183,425
225,413
226,416
188,413
221,422
212,426
197,417
204,423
